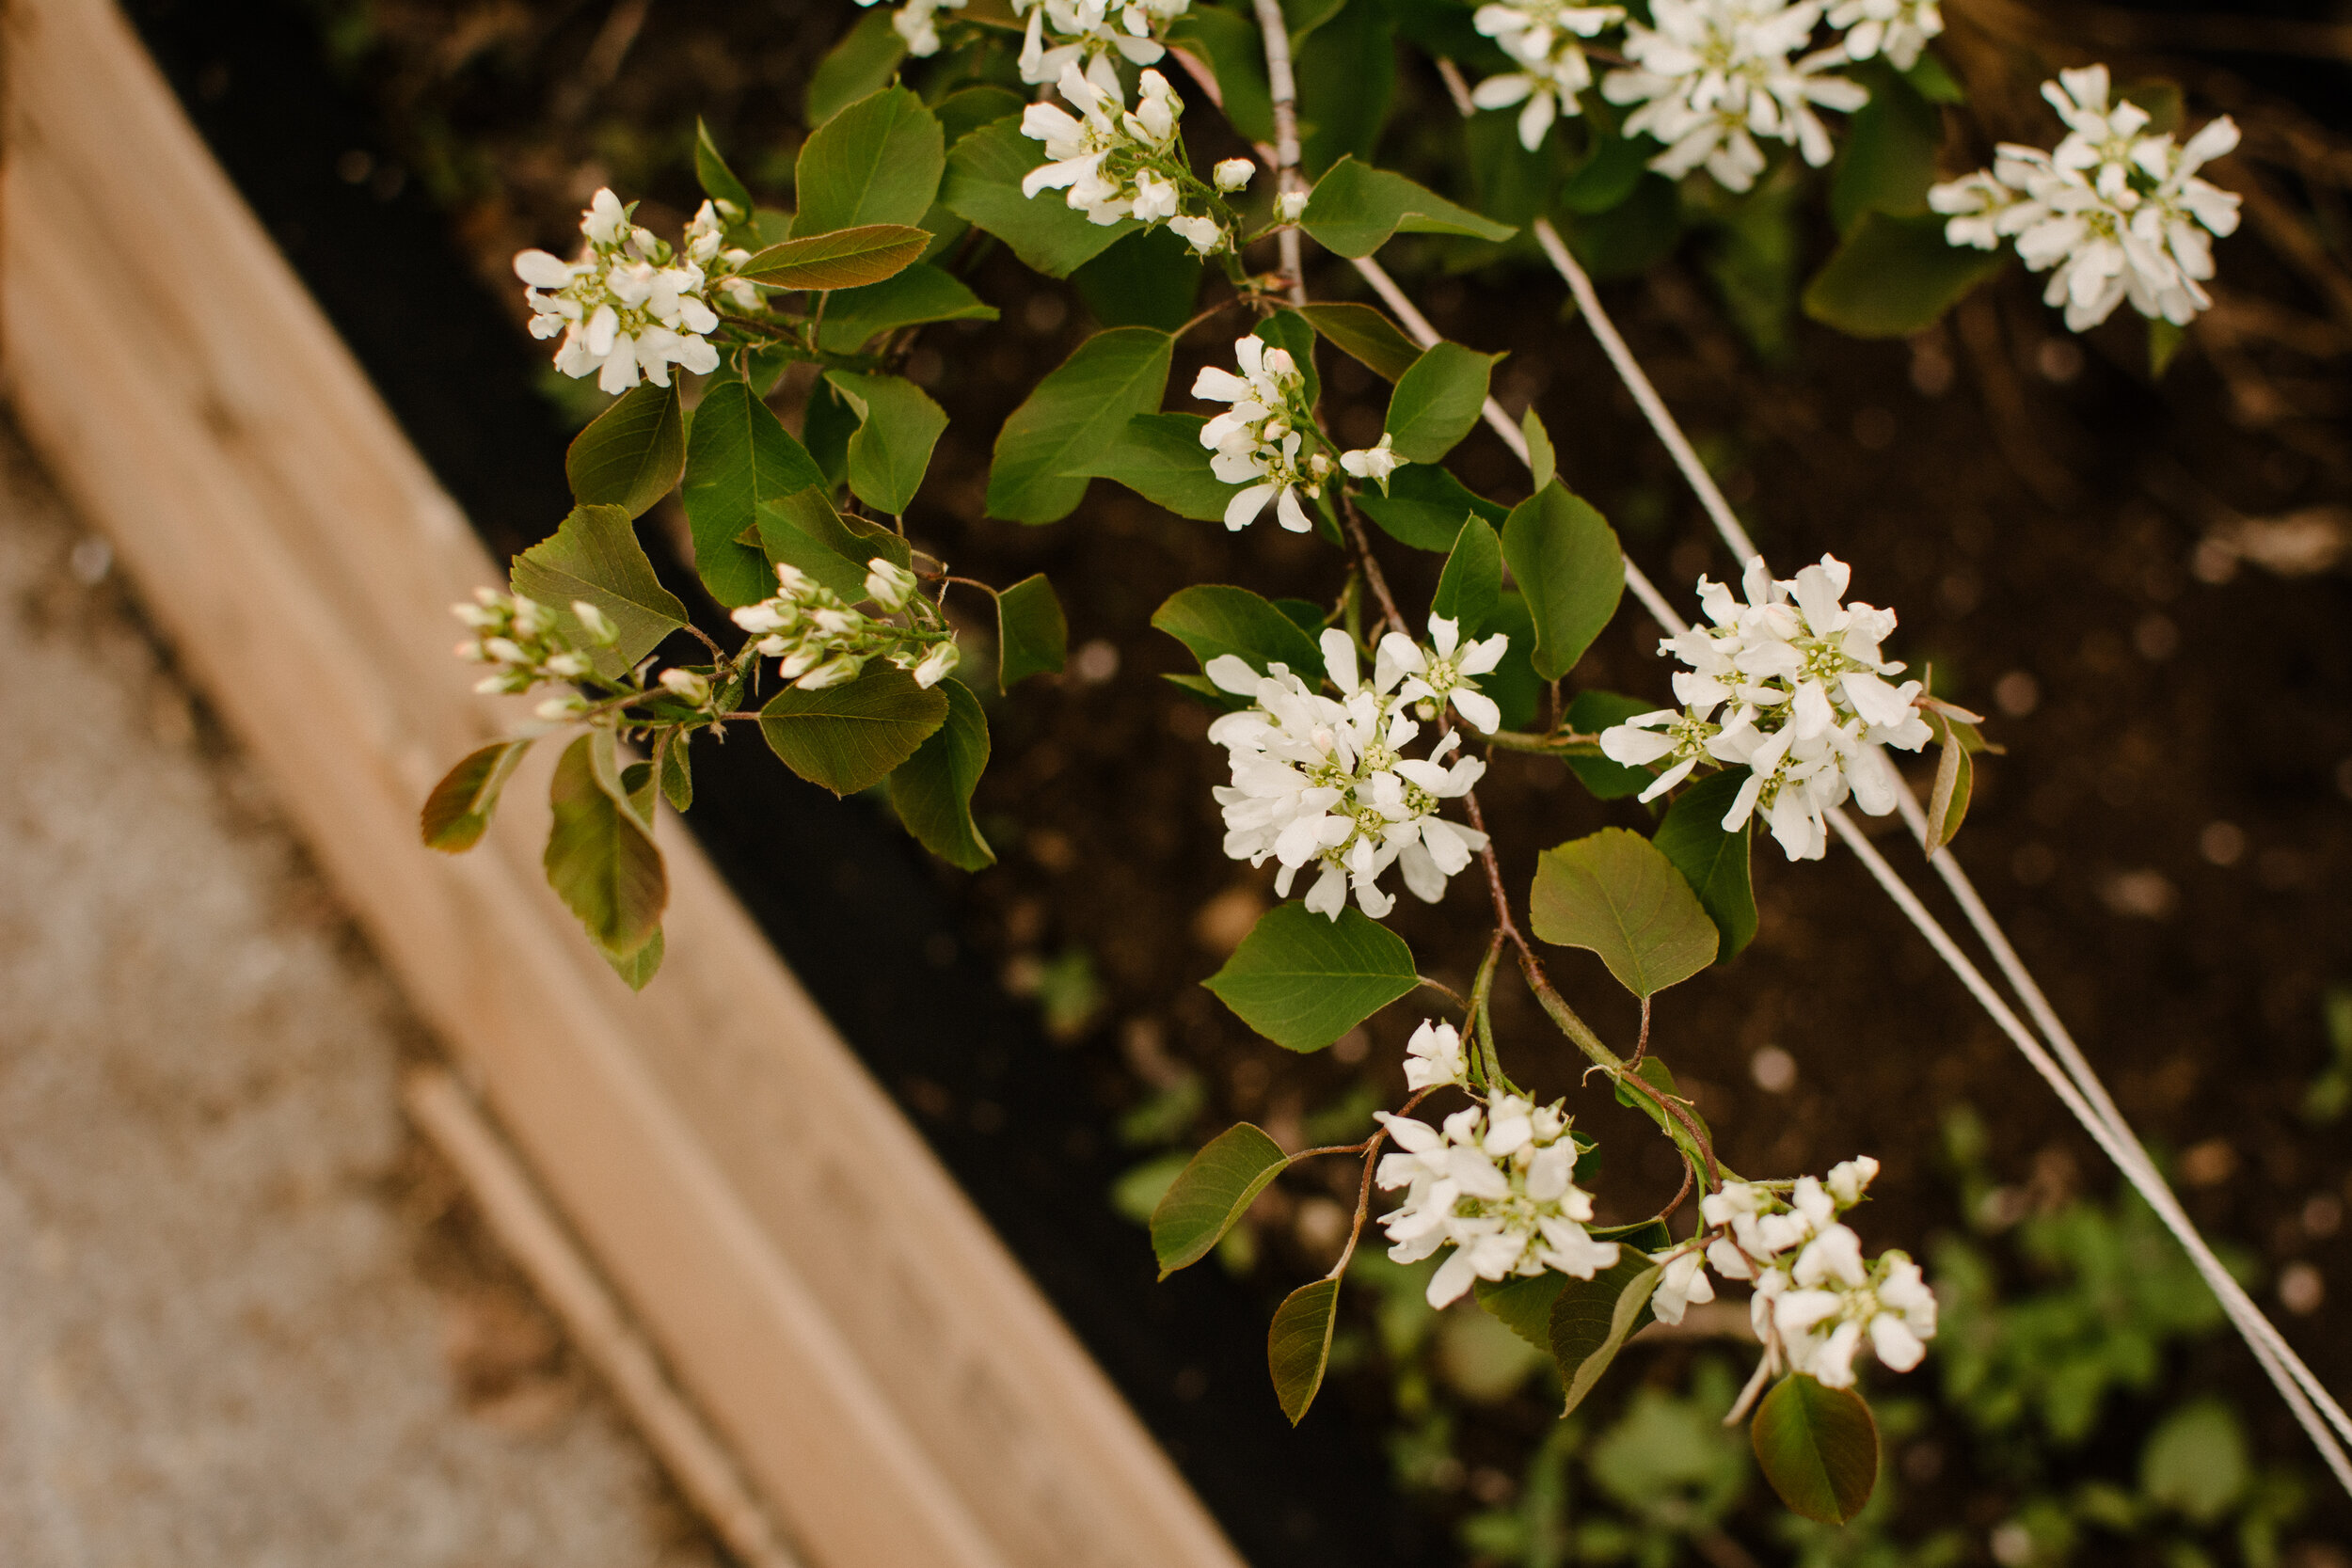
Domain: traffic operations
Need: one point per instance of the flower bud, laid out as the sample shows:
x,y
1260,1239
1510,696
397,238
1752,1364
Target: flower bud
x,y
687,684
556,709
936,664
888,584
1289,206
595,622
1231,174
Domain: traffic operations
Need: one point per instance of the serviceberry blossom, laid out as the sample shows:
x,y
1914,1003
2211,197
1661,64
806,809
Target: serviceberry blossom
x,y
523,643
915,26
1088,32
1899,29
627,302
821,641
1376,463
1231,174
1444,672
1542,38
2112,213
1261,436
1498,1185
1116,163
1433,1057
1804,705
1711,76
1325,781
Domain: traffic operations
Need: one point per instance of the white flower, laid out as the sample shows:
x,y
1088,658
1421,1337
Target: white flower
x,y
1541,37
1259,437
936,664
1819,1329
1849,1179
915,26
1444,674
1116,163
889,584
1231,174
1375,462
1713,75
1899,29
1089,32
626,304
1497,1185
1805,705
1325,781
1683,1282
1435,1056
1202,233
2112,214
1289,206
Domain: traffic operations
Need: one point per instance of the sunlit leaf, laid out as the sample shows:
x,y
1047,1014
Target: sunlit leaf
x,y
1302,981
458,810
1818,1448
1211,1194
1615,894
878,161
594,556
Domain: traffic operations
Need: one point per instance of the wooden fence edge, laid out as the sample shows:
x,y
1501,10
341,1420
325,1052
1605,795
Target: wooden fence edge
x,y
889,1381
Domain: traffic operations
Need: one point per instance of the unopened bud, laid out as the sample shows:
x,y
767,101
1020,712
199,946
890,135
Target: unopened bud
x,y
595,622
556,709
687,684
888,584
1231,174
1289,206
936,664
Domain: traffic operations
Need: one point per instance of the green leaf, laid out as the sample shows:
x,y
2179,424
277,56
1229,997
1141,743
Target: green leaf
x,y
1931,79
1211,1194
826,426
1591,712
1031,635
1607,176
1303,981
1514,684
600,860
1076,412
1149,278
932,790
1955,781
983,187
2164,342
1356,208
1592,1318
921,293
1818,1448
457,812
595,556
1211,619
717,181
2196,1462
637,968
964,111
1713,861
1471,584
1893,276
1424,507
849,737
1887,159
1365,335
877,161
845,259
677,773
1298,1344
1508,182
1344,82
1523,1304
1543,463
1567,561
1236,54
1160,457
898,426
633,451
803,530
1615,894
860,65
737,456
1438,401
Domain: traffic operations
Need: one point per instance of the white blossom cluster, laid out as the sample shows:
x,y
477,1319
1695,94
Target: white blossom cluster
x,y
916,25
522,642
1325,781
1089,32
1259,437
1545,39
1897,29
1119,162
1711,76
2113,213
821,641
1804,699
628,303
1816,1297
1497,1184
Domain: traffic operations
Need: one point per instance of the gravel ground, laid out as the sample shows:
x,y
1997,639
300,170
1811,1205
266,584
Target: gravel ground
x,y
245,1317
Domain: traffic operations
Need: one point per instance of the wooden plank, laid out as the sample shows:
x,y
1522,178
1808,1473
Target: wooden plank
x,y
891,1382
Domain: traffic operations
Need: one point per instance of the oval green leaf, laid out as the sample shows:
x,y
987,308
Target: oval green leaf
x,y
1569,564
1032,638
1303,981
983,188
1713,861
1298,1344
878,161
1592,1318
932,790
1076,411
1366,336
1893,276
457,813
1212,1193
719,181
738,455
595,556
1615,894
850,737
1424,507
921,293
1213,618
632,452
845,258
1471,584
1160,457
860,65
1591,712
1355,208
898,426
1438,401
1818,1448
599,859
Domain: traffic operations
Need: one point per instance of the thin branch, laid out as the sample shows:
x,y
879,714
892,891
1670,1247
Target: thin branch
x,y
1276,30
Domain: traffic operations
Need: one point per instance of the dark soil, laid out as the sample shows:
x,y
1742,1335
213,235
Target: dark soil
x,y
2077,551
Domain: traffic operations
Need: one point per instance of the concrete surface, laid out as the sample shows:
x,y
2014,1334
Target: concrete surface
x,y
245,1317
